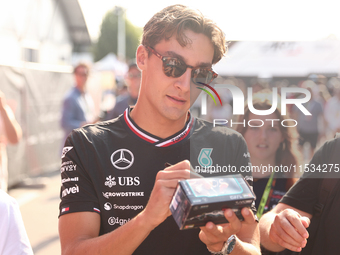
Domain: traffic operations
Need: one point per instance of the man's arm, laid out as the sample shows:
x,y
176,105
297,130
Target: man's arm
x,y
247,233
284,227
12,129
79,232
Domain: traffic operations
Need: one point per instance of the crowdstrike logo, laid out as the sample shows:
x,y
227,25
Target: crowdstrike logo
x,y
108,195
208,92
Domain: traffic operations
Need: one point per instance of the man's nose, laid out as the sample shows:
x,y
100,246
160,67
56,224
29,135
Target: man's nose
x,y
183,82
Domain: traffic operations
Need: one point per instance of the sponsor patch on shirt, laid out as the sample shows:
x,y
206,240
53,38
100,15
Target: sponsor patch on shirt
x,y
65,209
66,150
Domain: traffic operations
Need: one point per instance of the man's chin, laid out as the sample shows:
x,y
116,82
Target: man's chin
x,y
176,114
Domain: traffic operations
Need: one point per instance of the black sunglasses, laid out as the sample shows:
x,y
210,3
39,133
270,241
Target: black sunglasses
x,y
174,67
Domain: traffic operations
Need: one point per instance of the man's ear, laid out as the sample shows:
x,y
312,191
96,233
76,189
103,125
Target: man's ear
x,y
141,57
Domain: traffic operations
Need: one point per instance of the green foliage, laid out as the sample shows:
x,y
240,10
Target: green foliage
x,y
107,41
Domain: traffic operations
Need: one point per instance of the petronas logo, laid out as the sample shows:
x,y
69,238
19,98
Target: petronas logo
x,y
204,158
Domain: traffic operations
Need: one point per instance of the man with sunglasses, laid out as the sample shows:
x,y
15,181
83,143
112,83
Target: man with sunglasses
x,y
116,189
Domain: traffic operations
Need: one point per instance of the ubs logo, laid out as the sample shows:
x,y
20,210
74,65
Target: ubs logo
x,y
122,159
122,181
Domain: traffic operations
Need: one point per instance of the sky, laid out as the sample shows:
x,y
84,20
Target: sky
x,y
254,20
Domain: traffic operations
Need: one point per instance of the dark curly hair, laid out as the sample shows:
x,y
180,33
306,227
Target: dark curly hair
x,y
175,19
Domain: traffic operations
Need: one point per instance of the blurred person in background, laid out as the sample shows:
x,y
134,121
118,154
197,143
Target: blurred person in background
x,y
13,236
132,79
308,125
322,93
259,84
332,111
269,144
78,106
10,132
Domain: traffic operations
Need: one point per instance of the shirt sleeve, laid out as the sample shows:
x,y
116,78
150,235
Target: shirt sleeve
x,y
77,191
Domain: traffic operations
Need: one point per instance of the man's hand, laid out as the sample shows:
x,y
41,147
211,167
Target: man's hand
x,y
157,209
214,236
289,230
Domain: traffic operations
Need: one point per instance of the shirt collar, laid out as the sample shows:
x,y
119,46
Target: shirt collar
x,y
158,142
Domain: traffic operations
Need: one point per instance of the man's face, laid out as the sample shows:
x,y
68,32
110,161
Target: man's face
x,y
81,75
170,97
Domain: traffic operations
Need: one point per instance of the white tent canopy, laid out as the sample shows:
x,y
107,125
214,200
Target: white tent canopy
x,y
276,59
111,63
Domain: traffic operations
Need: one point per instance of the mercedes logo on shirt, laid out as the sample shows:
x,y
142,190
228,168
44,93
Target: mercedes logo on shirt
x,y
122,159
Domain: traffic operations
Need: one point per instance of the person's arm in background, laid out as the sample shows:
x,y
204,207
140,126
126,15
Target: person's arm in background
x,y
12,128
284,227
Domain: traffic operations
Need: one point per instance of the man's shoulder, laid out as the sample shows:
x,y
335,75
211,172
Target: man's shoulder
x,y
104,126
99,130
330,147
218,136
